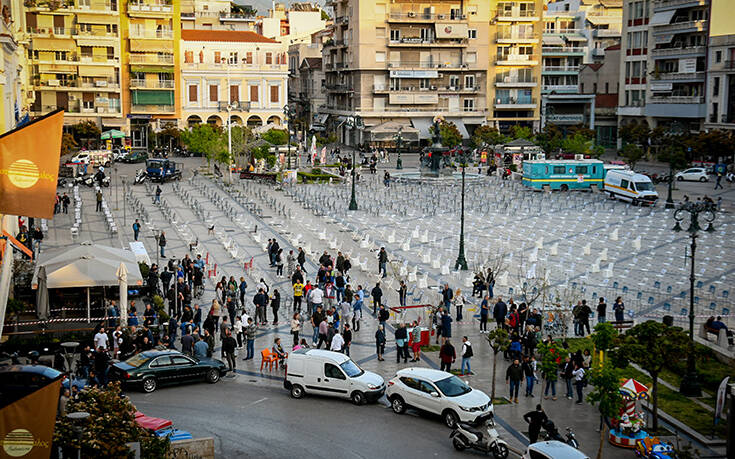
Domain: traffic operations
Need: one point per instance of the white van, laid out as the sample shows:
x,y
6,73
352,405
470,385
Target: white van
x,y
630,186
323,372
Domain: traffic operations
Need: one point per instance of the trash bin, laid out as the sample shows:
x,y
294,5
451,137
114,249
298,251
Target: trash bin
x,y
668,321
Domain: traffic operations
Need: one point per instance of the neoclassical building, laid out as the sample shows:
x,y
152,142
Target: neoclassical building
x,y
240,70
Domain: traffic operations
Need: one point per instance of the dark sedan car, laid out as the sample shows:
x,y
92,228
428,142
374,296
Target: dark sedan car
x,y
134,157
150,369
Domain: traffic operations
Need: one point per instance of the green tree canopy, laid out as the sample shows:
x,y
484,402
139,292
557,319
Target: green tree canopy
x,y
487,135
550,138
579,144
86,133
604,336
206,139
449,134
605,382
632,153
521,132
275,136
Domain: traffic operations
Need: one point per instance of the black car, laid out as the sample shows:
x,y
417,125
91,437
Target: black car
x,y
134,157
151,369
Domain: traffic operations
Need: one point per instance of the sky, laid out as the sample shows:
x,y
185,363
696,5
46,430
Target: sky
x,y
263,5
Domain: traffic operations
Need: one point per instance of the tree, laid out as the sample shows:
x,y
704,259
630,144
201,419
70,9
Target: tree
x,y
68,144
275,137
582,130
632,153
170,135
487,135
449,134
605,382
579,144
604,336
550,138
325,16
652,345
521,132
110,426
499,342
673,154
205,139
550,358
87,133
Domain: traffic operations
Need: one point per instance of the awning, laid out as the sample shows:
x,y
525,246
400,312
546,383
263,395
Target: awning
x,y
54,44
57,68
601,20
552,40
460,125
96,71
450,30
575,37
386,132
98,43
86,18
148,97
112,134
423,125
151,69
322,118
152,46
662,17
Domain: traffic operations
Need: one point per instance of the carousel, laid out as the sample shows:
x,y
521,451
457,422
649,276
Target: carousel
x,y
628,426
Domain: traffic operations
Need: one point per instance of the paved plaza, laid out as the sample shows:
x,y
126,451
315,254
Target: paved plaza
x,y
566,246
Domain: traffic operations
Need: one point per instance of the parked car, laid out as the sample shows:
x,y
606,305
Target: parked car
x,y
332,374
553,450
151,369
437,392
694,174
134,157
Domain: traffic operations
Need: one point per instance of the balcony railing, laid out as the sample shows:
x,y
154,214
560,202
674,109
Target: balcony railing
x,y
560,87
678,51
562,31
152,108
517,13
422,16
425,65
560,68
77,108
98,85
565,118
515,36
418,41
151,7
730,65
164,34
515,59
151,59
515,100
698,25
561,50
679,76
412,89
148,84
235,106
500,78
676,100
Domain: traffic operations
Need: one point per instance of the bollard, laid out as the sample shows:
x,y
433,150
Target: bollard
x,y
215,270
206,259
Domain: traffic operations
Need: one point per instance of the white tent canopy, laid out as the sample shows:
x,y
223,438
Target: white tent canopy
x,y
87,265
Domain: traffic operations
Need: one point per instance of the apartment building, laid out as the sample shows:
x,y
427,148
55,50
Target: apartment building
x,y
601,80
514,68
401,64
576,33
74,58
240,73
306,82
293,24
720,99
13,104
214,15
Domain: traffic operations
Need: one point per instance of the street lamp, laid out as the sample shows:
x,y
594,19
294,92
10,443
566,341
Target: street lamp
x,y
461,262
78,419
399,141
157,236
691,211
288,113
676,129
353,122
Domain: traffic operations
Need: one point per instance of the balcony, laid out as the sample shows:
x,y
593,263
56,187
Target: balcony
x,y
342,20
675,76
606,33
420,16
77,109
515,38
680,27
150,9
516,59
562,50
504,81
663,5
152,108
151,84
151,34
562,31
558,69
151,59
658,53
515,103
516,14
235,106
417,41
427,65
339,88
100,85
676,100
560,88
729,65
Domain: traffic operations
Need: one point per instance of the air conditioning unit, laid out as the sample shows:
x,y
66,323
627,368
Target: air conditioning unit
x,y
101,84
464,66
100,109
433,88
53,82
441,16
411,14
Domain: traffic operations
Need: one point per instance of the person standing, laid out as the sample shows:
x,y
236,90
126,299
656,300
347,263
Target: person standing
x,y
99,200
301,259
157,199
377,294
347,337
295,327
260,300
447,296
275,305
484,312
382,261
601,310
500,311
136,229
535,420
583,315
37,236
337,343
65,201
243,288
579,381
718,181
401,336
383,315
459,301
416,341
380,342
566,373
298,294
513,377
619,309
228,347
250,330
447,355
446,325
529,371
162,244
290,263
402,291
466,356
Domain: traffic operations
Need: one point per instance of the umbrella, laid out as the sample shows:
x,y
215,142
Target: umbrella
x,y
42,306
632,389
112,134
122,275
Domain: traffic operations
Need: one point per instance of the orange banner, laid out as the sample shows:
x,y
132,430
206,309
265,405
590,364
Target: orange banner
x,y
27,425
29,167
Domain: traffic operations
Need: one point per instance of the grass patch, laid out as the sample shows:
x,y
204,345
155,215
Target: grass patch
x,y
501,401
459,373
431,348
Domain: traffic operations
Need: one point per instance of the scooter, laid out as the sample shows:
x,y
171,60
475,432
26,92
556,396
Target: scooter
x,y
552,433
141,176
468,435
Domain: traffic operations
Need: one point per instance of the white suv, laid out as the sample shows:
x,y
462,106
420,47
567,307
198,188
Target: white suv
x,y
437,392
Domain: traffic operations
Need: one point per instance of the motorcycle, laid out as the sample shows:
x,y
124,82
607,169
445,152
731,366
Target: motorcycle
x,y
552,433
467,435
141,176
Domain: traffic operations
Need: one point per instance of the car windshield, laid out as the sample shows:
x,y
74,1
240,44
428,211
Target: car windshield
x,y
644,186
137,360
351,369
453,386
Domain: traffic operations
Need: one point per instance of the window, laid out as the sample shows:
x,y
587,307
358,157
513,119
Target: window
x,y
380,56
624,183
160,362
395,35
424,83
331,371
395,84
469,81
253,93
454,81
716,87
380,32
268,58
594,88
472,33
718,56
411,383
469,105
234,93
580,170
213,93
249,57
233,58
427,387
558,169
188,57
88,100
607,88
217,57
180,360
193,91
274,93
471,57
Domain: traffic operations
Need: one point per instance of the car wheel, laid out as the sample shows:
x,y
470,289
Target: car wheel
x,y
358,398
458,445
680,178
501,451
398,405
213,376
634,201
702,179
564,188
297,391
450,418
149,384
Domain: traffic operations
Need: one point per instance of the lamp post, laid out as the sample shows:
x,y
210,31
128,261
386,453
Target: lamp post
x,y
157,237
78,419
693,211
461,262
399,141
676,129
288,114
353,122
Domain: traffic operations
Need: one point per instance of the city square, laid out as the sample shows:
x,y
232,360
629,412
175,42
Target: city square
x,y
192,238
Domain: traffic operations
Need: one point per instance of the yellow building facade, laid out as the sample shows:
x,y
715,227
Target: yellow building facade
x,y
13,68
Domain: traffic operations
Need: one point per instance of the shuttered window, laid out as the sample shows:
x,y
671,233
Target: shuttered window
x,y
253,93
249,57
189,57
234,93
193,90
217,57
213,93
268,58
274,93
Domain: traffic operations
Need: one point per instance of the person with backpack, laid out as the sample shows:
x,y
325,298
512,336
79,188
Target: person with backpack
x,y
162,244
466,356
136,229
